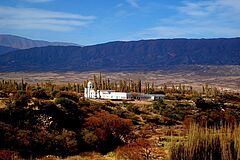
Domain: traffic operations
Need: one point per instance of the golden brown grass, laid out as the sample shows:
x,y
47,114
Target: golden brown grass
x,y
221,143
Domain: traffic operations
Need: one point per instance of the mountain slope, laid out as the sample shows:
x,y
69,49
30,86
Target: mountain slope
x,y
24,43
4,49
125,56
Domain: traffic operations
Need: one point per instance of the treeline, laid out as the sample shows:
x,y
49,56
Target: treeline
x,y
101,83
13,87
123,85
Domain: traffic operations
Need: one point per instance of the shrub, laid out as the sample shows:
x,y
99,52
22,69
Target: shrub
x,y
110,130
68,95
6,134
89,138
84,103
159,120
158,106
208,104
68,104
41,94
54,93
65,143
216,118
22,101
109,103
8,155
230,97
133,108
183,105
139,150
71,113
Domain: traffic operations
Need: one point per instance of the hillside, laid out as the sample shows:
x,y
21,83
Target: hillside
x,y
125,56
25,43
4,49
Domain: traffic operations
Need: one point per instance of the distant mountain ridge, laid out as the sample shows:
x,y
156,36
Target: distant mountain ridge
x,y
25,43
125,56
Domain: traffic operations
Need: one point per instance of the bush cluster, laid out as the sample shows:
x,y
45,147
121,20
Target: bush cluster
x,y
61,127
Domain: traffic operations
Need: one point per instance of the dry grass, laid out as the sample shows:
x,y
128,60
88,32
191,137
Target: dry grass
x,y
208,144
82,156
2,104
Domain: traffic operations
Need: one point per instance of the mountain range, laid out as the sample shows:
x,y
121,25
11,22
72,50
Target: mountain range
x,y
4,49
125,56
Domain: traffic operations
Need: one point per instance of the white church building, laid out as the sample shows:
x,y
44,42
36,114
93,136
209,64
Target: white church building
x,y
89,92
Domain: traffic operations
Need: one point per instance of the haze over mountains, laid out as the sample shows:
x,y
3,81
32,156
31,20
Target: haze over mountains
x,y
18,42
125,56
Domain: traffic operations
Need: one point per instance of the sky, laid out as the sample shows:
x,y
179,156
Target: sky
x,y
88,22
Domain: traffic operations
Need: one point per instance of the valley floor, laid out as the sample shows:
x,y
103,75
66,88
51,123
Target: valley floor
x,y
222,82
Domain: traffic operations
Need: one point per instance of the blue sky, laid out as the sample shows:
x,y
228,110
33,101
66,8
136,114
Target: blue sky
x,y
89,22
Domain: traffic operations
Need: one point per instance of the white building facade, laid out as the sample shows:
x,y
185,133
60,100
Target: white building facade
x,y
142,96
89,92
